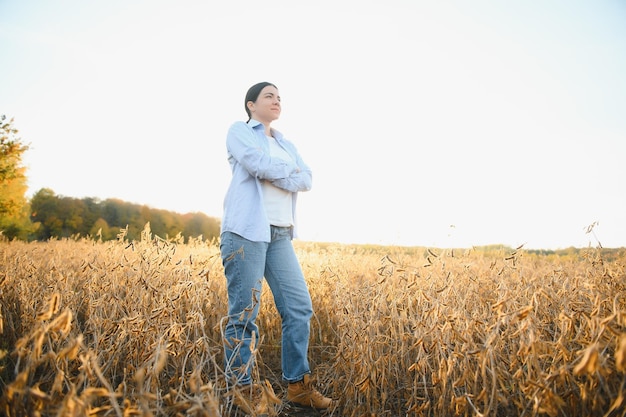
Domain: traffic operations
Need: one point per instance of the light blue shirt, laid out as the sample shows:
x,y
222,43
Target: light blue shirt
x,y
250,163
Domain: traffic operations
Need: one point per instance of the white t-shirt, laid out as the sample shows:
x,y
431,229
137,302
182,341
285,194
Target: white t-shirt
x,y
278,202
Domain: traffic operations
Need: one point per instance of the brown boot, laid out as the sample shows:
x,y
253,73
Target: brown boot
x,y
256,399
303,393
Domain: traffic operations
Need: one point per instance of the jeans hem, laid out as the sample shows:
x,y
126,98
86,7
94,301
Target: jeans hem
x,y
293,380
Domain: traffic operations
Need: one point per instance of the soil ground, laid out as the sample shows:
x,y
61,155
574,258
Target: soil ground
x,y
287,410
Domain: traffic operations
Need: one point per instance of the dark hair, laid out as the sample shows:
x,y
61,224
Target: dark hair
x,y
253,94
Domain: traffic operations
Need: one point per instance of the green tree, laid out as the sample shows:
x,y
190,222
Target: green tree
x,y
59,217
199,224
45,207
101,230
14,209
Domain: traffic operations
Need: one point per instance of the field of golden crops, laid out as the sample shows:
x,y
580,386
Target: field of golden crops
x,y
135,329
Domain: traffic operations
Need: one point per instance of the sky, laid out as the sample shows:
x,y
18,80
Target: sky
x,y
426,123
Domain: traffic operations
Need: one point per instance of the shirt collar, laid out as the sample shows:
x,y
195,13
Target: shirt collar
x,y
255,123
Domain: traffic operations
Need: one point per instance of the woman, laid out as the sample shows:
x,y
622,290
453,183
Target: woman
x,y
257,229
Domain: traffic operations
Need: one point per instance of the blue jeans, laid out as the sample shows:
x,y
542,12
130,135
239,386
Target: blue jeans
x,y
245,264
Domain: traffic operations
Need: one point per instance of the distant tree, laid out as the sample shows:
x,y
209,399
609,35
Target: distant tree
x,y
199,224
45,211
14,220
72,213
119,214
91,215
101,230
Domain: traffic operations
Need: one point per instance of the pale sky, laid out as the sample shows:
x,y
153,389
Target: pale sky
x,y
430,123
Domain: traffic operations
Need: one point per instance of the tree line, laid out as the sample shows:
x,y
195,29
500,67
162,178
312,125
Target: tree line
x,y
47,215
57,216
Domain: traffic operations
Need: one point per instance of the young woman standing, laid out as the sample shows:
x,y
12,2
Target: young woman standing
x,y
256,242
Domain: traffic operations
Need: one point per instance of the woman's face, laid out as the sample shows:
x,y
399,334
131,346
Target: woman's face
x,y
266,108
